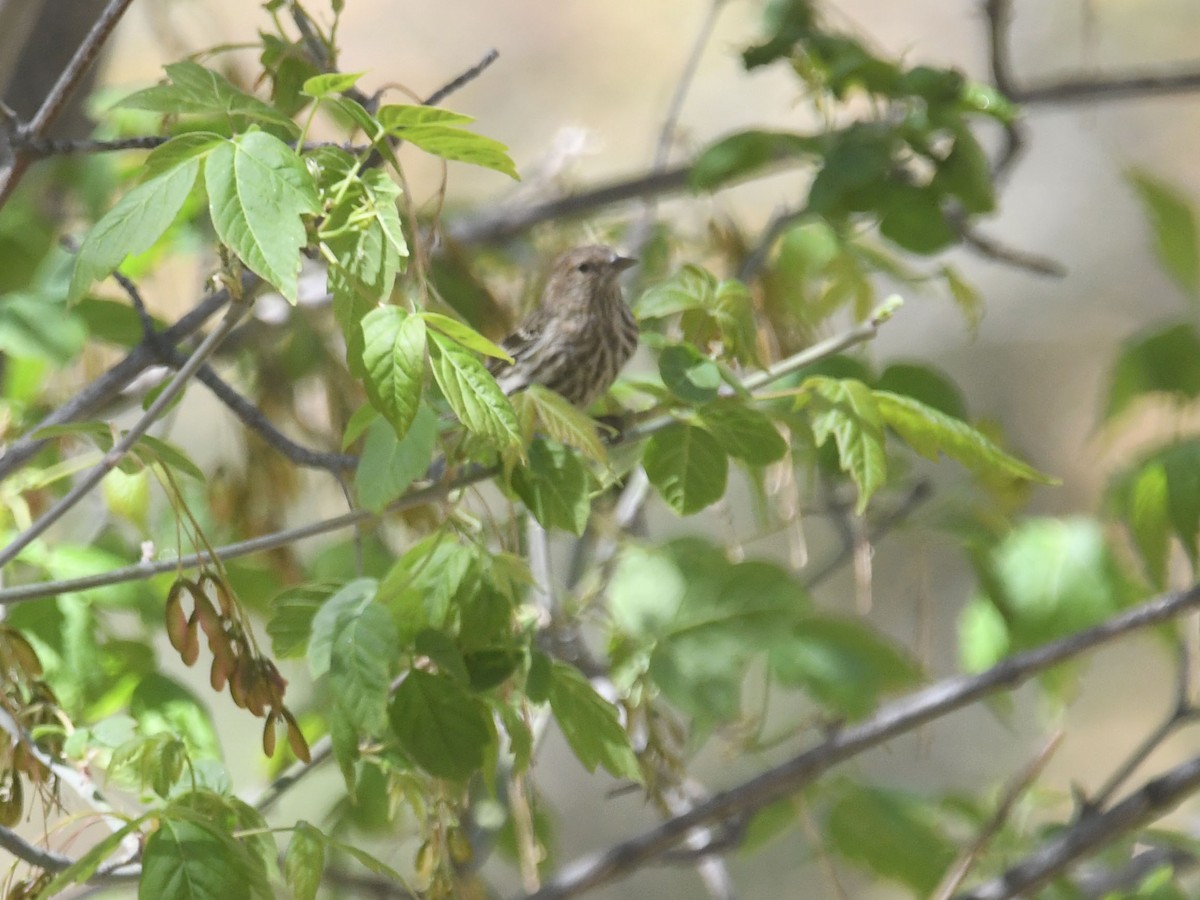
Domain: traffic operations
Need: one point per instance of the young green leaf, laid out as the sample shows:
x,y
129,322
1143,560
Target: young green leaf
x,y
133,225
394,360
929,432
742,431
471,392
846,409
590,724
258,190
465,335
363,644
195,90
1163,361
304,863
184,859
743,154
344,605
1176,236
554,486
560,421
388,466
437,131
691,376
440,725
327,83
687,466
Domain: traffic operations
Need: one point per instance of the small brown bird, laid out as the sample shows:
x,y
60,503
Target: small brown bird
x,y
580,334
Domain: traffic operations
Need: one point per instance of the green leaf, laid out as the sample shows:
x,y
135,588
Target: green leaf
x,y
163,705
292,612
179,150
847,410
359,422
132,226
983,636
394,359
1052,577
914,219
471,392
345,604
1176,238
187,861
465,335
304,863
892,834
690,375
1163,361
1159,496
195,90
441,726
1149,518
743,154
590,724
687,466
421,586
742,431
387,466
925,384
554,486
363,644
436,131
562,422
966,174
258,189
842,663
323,85
929,432
35,327
85,866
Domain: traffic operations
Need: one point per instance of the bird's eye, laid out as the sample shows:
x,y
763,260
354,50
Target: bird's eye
x,y
585,267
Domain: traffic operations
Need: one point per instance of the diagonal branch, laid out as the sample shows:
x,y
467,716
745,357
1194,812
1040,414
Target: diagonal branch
x,y
114,456
61,92
895,719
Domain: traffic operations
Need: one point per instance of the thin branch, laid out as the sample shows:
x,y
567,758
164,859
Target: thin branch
x,y
1074,90
992,249
67,82
508,223
35,856
321,751
1013,792
461,81
250,415
114,456
112,382
897,718
1094,831
856,335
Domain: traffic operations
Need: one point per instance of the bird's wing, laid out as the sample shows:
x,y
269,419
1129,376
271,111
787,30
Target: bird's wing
x,y
518,343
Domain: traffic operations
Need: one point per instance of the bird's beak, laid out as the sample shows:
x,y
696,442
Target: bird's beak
x,y
621,263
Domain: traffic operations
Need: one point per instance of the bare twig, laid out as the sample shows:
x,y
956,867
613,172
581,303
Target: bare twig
x,y
35,856
114,456
1013,792
1124,87
67,82
896,718
1155,798
461,81
251,416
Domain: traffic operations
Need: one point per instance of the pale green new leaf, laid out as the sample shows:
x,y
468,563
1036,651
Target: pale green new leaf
x,y
258,189
590,724
465,335
305,861
389,465
363,644
199,91
742,431
437,131
846,409
471,392
394,359
929,432
133,225
1176,236
554,487
563,422
688,467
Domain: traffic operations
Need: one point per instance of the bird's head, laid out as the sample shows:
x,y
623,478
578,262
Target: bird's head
x,y
584,277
